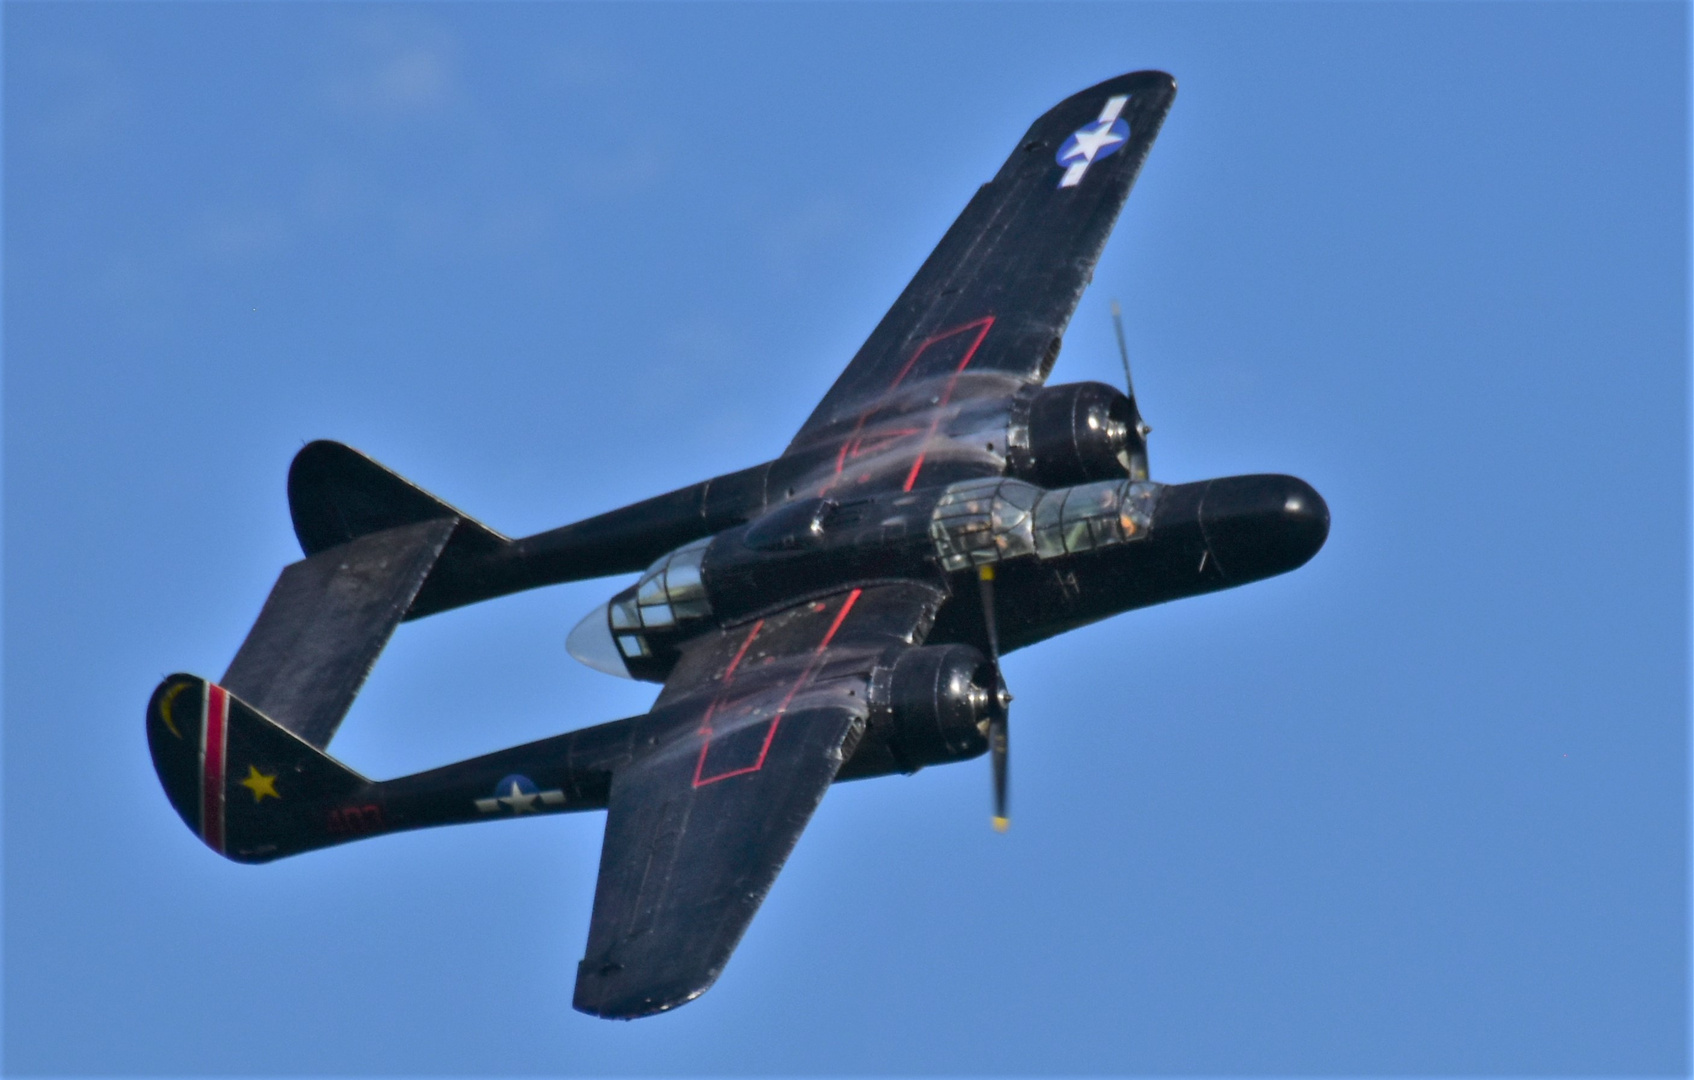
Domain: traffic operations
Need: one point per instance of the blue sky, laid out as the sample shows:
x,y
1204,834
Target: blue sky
x,y
1420,807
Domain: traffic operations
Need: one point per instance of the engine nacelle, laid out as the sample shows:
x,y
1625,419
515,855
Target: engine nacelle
x,y
1076,433
929,706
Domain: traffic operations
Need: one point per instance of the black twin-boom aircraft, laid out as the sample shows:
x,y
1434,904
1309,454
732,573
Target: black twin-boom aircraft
x,y
835,613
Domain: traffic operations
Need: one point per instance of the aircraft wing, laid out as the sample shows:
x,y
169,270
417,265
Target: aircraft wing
x,y
746,737
985,313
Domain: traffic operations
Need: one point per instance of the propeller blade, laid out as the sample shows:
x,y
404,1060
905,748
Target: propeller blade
x,y
1123,349
985,581
1138,459
998,720
997,749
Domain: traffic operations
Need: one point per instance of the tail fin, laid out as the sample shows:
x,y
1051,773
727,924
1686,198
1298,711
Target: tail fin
x,y
336,494
249,788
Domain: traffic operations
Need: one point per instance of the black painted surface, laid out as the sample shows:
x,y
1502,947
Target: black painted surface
x,y
325,622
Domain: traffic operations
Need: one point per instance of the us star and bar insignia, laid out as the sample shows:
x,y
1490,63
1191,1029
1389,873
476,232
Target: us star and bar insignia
x,y
519,794
1092,142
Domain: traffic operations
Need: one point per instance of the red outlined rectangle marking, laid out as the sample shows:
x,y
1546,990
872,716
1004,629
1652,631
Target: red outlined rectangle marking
x,y
711,710
853,445
841,617
214,724
700,779
729,672
986,322
981,326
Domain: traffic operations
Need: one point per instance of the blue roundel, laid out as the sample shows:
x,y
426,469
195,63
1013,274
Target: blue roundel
x,y
1091,142
523,785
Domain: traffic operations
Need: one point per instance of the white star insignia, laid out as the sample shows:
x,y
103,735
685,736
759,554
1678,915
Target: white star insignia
x,y
518,801
1092,141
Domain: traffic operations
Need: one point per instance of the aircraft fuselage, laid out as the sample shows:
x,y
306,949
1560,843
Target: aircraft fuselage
x,y
1062,558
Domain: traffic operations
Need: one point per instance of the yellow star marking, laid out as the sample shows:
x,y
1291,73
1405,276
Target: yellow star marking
x,y
165,704
260,784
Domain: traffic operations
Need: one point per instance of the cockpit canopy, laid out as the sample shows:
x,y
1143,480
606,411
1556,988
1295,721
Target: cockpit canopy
x,y
669,592
984,521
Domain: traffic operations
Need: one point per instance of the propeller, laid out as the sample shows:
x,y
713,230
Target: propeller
x,y
999,701
1123,349
1138,462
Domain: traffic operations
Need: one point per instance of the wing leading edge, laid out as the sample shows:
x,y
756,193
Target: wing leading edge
x,y
749,733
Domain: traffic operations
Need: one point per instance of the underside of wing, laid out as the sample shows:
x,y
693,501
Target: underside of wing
x,y
748,735
985,313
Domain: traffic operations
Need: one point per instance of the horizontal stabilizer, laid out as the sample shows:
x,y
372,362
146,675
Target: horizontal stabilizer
x,y
250,789
326,621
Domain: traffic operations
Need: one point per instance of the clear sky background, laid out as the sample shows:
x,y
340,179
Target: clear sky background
x,y
1419,807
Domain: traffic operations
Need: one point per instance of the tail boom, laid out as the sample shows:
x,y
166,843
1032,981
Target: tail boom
x,y
254,791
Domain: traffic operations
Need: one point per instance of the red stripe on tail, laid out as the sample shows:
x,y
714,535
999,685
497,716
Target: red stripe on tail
x,y
213,738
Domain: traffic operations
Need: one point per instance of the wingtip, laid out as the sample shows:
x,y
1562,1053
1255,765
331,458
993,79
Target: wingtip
x,y
611,992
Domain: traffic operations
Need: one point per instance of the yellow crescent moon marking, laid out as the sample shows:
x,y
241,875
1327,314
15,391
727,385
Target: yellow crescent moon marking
x,y
165,706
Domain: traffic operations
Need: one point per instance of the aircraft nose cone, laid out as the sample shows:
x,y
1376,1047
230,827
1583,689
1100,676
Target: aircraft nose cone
x,y
591,643
1257,526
